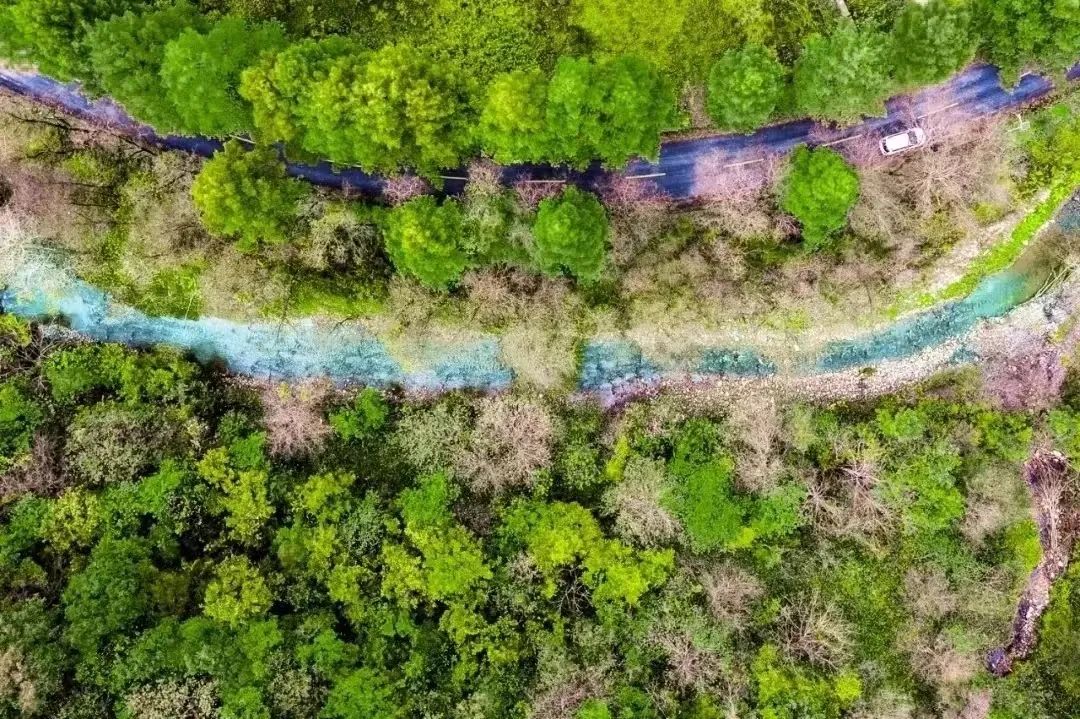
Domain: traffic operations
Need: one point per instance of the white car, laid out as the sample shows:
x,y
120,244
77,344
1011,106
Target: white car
x,y
903,141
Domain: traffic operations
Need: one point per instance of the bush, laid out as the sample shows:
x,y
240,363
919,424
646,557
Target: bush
x,y
110,443
819,190
425,240
237,593
363,419
571,234
745,86
247,195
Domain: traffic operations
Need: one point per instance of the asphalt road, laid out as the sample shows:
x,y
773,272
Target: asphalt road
x,y
973,93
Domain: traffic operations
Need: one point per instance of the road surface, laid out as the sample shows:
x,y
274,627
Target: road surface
x,y
973,93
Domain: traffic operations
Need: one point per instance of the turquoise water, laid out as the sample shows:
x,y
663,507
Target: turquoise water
x,y
346,352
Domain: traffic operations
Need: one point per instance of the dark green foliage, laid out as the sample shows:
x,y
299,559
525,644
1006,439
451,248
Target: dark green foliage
x,y
246,194
19,417
571,235
127,52
364,418
931,41
819,190
1017,33
200,72
844,75
745,86
424,239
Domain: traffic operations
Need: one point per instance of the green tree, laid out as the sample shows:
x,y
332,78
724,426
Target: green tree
x,y
571,233
19,417
424,240
391,110
362,694
109,596
931,41
49,33
842,76
647,28
201,74
246,194
279,87
237,593
610,111
513,126
127,52
744,87
819,190
363,419
1016,33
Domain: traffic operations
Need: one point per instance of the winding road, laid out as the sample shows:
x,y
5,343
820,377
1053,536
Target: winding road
x,y
971,94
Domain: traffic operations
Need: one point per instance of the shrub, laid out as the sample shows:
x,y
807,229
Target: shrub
x,y
819,190
571,234
745,86
110,443
246,194
19,417
363,419
424,239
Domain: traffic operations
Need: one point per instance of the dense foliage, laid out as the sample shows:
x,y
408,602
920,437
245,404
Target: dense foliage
x,y
745,87
819,190
192,557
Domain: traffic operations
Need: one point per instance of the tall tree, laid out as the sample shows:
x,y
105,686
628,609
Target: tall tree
x,y
512,122
571,235
647,28
1017,33
49,33
201,74
819,190
127,51
279,86
744,87
610,111
395,109
842,76
424,240
931,40
246,194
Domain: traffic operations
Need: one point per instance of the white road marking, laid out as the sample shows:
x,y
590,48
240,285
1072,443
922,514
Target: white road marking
x,y
644,177
453,177
740,164
540,182
843,139
940,109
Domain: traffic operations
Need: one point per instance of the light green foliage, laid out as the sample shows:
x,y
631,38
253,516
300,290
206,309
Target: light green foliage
x,y
1053,146
715,27
365,417
49,32
15,336
931,40
610,111
819,190
571,233
843,76
247,195
513,126
279,87
449,566
791,692
74,520
424,239
109,596
19,417
238,592
73,373
200,72
644,28
559,535
744,88
238,476
363,694
594,709
127,52
394,108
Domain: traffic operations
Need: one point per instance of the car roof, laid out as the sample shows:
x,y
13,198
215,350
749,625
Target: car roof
x,y
898,141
